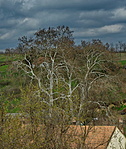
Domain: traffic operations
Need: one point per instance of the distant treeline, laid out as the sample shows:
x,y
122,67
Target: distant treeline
x,y
118,47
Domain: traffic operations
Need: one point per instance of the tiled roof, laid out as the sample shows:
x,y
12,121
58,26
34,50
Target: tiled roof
x,y
91,137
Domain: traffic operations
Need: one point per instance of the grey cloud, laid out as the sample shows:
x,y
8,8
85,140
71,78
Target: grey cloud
x,y
87,18
76,4
110,32
119,14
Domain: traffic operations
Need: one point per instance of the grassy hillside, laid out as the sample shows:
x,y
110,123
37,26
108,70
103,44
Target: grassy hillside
x,y
10,81
9,57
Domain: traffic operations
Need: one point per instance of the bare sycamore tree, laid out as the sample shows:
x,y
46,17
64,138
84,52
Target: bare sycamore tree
x,y
70,83
93,71
45,39
51,75
56,86
46,76
56,72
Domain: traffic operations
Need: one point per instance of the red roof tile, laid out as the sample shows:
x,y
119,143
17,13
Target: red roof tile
x,y
91,137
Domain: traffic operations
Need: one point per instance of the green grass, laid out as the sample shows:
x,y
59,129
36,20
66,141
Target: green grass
x,y
5,57
13,106
3,68
123,62
121,107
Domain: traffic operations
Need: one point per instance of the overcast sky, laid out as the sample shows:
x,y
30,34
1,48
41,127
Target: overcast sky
x,y
89,19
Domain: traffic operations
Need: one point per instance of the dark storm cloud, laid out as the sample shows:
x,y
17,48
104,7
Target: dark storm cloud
x,y
78,4
89,19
